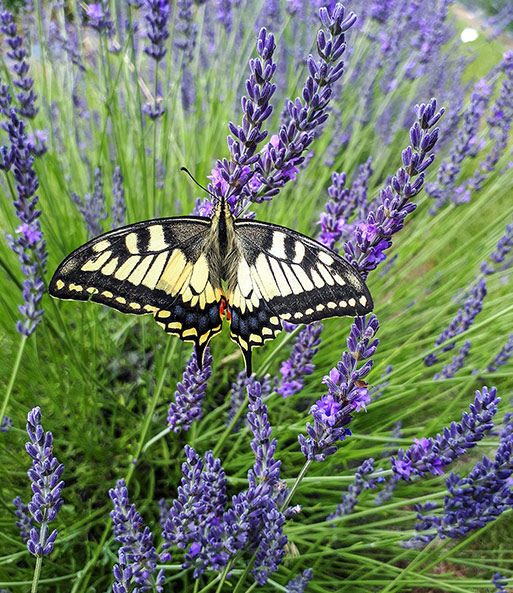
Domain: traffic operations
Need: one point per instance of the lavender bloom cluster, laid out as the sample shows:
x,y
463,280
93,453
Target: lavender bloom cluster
x,y
213,535
463,319
500,125
343,205
299,365
92,206
347,393
465,145
457,362
239,390
249,176
100,18
29,245
300,583
360,483
433,454
157,18
373,237
137,557
119,204
232,177
503,248
189,394
18,54
502,357
45,476
499,582
278,165
474,501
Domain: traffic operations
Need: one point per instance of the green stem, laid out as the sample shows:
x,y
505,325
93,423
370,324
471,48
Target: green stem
x,y
14,373
168,354
37,573
298,481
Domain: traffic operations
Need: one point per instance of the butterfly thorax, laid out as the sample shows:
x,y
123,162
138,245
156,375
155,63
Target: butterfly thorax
x,y
223,243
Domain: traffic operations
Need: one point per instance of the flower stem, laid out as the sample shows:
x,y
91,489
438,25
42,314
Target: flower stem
x,y
298,481
37,572
14,373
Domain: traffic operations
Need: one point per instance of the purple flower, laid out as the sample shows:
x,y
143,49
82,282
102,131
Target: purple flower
x,y
503,248
458,360
502,357
464,146
500,122
189,394
373,236
499,582
347,393
360,483
299,364
99,18
92,206
474,501
300,583
17,53
433,454
6,424
157,17
343,205
212,534
25,521
119,204
45,475
137,555
244,140
463,319
305,116
29,243
238,394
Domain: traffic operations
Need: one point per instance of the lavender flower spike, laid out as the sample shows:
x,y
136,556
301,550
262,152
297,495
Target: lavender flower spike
x,y
458,360
45,475
373,237
502,357
92,207
29,245
347,393
300,583
137,555
503,248
18,54
350,499
25,521
299,364
278,165
463,319
119,205
432,454
189,394
465,146
474,501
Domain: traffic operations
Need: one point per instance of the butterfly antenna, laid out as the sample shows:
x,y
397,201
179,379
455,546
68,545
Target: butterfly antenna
x,y
198,183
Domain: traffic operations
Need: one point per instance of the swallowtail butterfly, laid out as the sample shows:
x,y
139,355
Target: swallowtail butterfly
x,y
189,272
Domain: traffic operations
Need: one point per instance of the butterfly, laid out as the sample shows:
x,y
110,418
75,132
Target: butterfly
x,y
189,272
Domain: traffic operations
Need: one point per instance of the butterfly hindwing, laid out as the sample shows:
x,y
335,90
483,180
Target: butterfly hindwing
x,y
299,279
158,266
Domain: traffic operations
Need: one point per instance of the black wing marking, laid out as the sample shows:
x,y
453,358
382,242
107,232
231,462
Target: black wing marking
x,y
300,280
158,266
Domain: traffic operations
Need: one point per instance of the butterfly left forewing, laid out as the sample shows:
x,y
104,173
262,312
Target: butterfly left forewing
x,y
159,266
300,280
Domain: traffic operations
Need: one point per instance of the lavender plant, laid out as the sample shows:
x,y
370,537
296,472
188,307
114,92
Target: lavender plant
x,y
149,87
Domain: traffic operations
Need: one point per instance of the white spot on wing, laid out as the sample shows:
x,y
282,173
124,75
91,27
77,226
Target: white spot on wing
x,y
281,281
199,277
326,258
108,269
94,264
278,245
127,267
299,252
154,273
101,246
244,278
131,243
157,241
138,274
306,283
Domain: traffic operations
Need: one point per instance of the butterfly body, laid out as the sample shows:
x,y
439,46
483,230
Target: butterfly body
x,y
191,271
